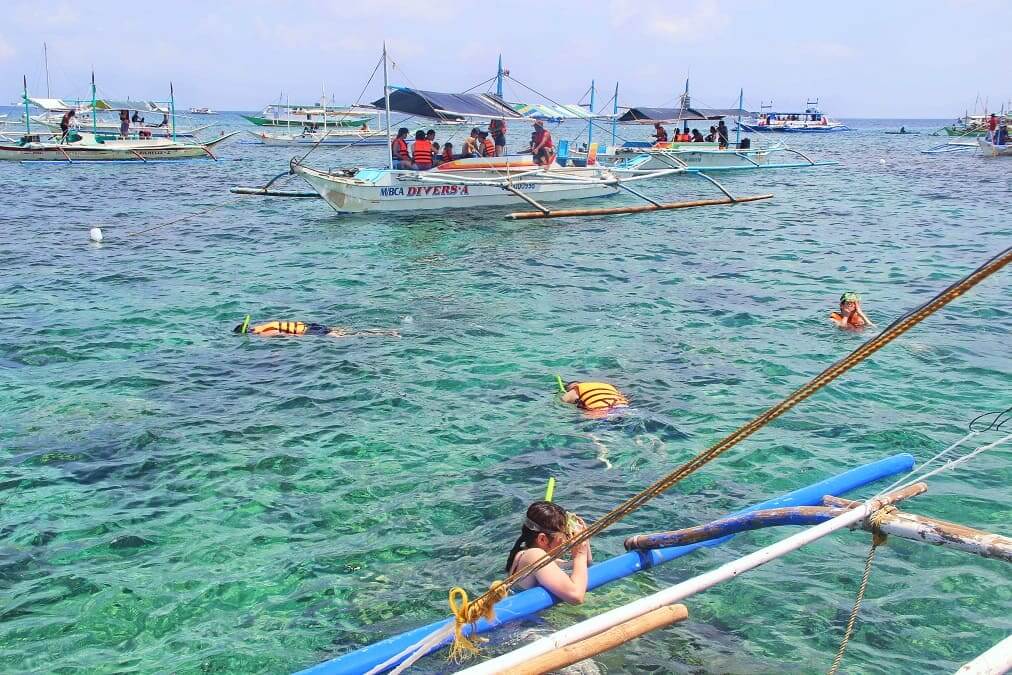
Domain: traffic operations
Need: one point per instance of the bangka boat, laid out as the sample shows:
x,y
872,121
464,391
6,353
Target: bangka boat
x,y
696,156
991,149
340,137
282,115
810,121
91,147
974,125
103,111
202,111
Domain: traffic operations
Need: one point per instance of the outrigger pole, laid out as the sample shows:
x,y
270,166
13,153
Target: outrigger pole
x,y
386,98
564,213
28,120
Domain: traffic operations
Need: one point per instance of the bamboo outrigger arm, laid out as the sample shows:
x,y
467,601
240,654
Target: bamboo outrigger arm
x,y
563,213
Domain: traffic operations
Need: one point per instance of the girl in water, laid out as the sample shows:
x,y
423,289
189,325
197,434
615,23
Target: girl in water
x,y
546,526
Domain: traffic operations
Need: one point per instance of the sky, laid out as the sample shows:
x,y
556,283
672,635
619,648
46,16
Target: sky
x,y
931,58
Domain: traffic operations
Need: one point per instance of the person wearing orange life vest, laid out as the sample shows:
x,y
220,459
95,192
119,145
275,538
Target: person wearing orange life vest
x,y
399,149
298,328
422,152
541,145
850,316
487,145
594,396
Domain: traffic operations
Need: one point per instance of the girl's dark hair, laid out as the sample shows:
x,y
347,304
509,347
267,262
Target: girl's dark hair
x,y
419,135
548,516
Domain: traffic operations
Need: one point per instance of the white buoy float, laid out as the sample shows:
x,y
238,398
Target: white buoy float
x,y
95,234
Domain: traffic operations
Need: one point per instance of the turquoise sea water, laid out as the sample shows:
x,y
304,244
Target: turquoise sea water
x,y
175,498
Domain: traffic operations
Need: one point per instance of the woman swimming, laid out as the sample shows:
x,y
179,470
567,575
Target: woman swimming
x,y
546,526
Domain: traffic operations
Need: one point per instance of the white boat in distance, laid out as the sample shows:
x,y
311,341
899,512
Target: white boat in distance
x,y
340,137
90,148
202,111
809,121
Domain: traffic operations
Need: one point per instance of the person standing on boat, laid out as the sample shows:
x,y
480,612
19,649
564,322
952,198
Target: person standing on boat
x,y
660,134
992,125
422,151
722,134
68,118
850,316
498,130
547,526
124,123
541,145
399,149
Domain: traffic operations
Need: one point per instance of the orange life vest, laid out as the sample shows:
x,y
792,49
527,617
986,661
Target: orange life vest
x,y
284,327
401,149
598,396
488,148
423,151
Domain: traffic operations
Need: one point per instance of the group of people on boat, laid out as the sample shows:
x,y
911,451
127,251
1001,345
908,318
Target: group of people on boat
x,y
718,134
425,153
546,525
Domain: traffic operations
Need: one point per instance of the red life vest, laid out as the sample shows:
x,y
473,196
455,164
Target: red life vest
x,y
488,148
400,149
423,152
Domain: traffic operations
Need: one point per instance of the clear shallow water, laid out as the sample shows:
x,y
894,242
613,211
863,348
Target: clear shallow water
x,y
176,498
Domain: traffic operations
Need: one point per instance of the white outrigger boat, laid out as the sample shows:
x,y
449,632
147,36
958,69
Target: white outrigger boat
x,y
95,147
812,120
89,116
472,181
991,149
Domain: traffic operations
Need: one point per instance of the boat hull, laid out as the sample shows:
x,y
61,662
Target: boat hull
x,y
384,190
278,122
991,150
338,140
794,129
88,149
113,129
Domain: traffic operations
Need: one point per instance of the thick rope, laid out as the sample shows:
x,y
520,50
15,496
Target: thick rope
x,y
877,539
484,604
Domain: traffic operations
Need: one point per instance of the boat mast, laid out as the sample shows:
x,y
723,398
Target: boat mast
x,y
45,58
386,97
28,120
323,100
498,79
590,120
94,112
172,109
737,136
614,118
288,114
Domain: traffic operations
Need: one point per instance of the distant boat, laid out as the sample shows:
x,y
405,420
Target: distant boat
x,y
91,148
812,120
202,111
973,125
341,137
283,115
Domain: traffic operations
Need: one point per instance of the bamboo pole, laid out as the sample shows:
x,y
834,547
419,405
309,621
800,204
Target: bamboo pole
x,y
939,533
673,594
530,215
994,661
608,640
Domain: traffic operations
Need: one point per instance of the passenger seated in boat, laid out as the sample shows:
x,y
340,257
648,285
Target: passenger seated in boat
x,y
436,158
165,120
422,152
298,328
471,144
447,155
712,136
541,145
721,134
594,396
547,526
487,144
697,137
1001,137
399,148
850,316
660,135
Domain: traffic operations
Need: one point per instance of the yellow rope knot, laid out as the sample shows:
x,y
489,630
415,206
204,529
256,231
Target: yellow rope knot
x,y
878,537
467,613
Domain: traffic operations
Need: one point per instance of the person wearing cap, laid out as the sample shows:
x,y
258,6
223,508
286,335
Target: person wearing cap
x,y
594,396
850,316
541,145
486,145
472,144
547,526
298,328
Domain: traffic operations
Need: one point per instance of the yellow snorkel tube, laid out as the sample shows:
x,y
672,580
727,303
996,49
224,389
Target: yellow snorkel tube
x,y
245,325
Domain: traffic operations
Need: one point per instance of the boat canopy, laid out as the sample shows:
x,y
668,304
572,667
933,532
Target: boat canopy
x,y
563,111
140,106
51,104
446,106
642,114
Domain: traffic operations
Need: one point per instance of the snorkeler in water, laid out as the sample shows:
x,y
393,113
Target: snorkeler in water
x,y
850,316
546,526
299,328
594,396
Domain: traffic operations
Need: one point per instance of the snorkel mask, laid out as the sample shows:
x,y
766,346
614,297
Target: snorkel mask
x,y
850,297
